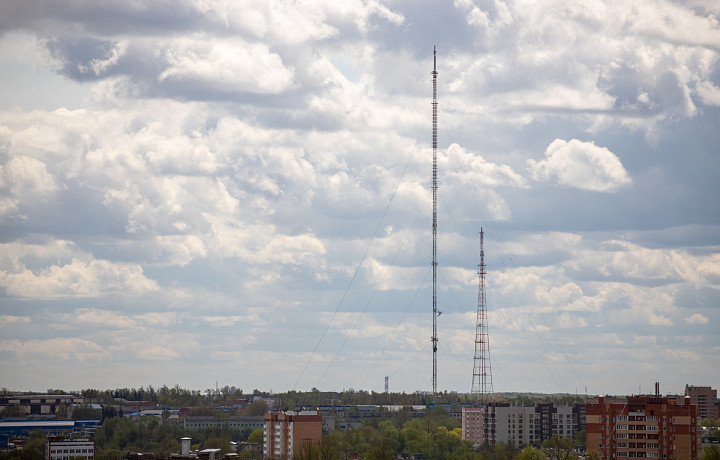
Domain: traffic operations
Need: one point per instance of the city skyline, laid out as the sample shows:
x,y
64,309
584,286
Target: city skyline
x,y
193,192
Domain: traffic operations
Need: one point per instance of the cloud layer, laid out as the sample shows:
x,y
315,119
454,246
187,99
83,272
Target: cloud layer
x,y
196,191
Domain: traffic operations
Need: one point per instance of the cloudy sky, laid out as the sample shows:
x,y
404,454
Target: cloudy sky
x,y
206,191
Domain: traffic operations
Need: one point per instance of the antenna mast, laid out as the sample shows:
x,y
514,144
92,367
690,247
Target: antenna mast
x,y
434,225
482,373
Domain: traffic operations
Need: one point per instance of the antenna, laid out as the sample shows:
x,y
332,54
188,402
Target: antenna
x,y
434,226
482,373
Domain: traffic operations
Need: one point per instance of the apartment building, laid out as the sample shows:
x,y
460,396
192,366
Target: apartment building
x,y
643,426
519,425
59,448
284,431
704,398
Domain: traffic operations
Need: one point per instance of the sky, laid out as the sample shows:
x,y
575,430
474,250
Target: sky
x,y
211,192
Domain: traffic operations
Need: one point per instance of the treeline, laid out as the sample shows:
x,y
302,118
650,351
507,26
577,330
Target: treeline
x,y
181,397
166,396
176,396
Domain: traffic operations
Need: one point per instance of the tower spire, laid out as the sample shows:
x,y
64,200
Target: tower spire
x,y
434,226
482,373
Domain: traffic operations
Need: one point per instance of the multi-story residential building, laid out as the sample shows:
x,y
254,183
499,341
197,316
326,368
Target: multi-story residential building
x,y
286,430
704,398
643,426
520,426
59,448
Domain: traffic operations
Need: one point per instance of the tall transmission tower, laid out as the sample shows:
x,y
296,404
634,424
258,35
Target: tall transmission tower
x,y
434,226
482,373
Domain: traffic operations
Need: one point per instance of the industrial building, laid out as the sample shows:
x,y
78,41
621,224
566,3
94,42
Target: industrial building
x,y
10,429
39,404
643,426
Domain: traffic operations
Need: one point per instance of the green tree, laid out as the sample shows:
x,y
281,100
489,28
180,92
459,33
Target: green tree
x,y
34,448
12,411
86,411
711,453
217,443
580,438
256,408
256,437
306,451
557,448
531,453
383,450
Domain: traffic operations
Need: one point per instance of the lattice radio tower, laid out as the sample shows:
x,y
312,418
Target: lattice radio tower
x,y
434,226
482,373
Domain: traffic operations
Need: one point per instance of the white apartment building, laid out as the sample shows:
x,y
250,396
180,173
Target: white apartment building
x,y
57,448
520,426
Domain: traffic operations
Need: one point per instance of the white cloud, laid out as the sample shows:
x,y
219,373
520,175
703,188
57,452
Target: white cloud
x,y
10,319
100,66
65,349
24,180
709,93
78,275
228,65
697,318
581,165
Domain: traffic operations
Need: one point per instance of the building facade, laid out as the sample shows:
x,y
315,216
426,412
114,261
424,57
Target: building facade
x,y
519,425
284,431
39,404
643,426
704,398
59,448
244,423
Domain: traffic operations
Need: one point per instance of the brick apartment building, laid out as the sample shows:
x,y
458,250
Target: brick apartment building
x,y
643,426
286,430
704,398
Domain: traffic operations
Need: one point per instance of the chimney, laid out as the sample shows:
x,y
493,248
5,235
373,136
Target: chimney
x,y
185,443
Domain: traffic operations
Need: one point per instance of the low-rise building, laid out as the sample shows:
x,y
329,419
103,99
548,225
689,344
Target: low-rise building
x,y
242,423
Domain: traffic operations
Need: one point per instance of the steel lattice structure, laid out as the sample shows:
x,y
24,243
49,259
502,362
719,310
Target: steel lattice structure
x,y
482,372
